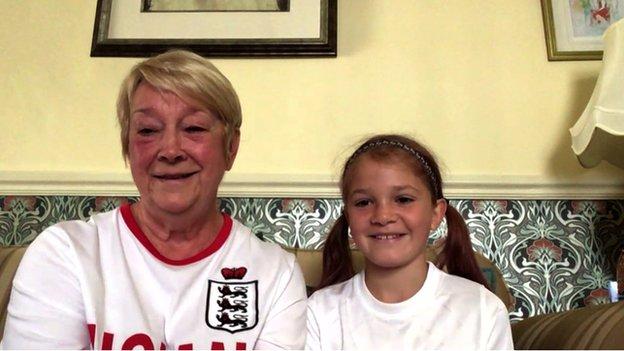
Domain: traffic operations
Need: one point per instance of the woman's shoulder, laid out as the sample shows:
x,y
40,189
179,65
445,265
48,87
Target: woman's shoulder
x,y
74,234
61,245
78,228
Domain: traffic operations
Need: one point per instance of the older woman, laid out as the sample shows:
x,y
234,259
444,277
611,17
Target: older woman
x,y
170,271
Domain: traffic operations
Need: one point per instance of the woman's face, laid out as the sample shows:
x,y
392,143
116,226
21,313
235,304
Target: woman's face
x,y
176,152
390,212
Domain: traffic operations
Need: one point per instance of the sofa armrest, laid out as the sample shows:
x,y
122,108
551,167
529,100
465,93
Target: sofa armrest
x,y
592,327
10,257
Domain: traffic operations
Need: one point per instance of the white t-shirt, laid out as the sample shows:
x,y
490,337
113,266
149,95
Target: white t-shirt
x,y
101,284
448,312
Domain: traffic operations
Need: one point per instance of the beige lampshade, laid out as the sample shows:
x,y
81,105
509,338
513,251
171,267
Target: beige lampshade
x,y
599,132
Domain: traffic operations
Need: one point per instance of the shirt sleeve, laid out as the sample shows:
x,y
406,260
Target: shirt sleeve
x,y
46,308
313,337
285,324
500,337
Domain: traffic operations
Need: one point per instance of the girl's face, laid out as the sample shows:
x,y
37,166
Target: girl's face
x,y
390,212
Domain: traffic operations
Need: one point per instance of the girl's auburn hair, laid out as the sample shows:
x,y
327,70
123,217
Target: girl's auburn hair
x,y
456,256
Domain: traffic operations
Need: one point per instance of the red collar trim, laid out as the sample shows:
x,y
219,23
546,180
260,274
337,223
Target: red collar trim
x,y
224,233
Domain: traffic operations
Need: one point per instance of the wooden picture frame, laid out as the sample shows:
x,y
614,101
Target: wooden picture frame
x,y
573,28
307,29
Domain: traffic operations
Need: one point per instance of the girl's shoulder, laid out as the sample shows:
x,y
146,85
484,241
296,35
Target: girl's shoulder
x,y
468,291
333,294
459,284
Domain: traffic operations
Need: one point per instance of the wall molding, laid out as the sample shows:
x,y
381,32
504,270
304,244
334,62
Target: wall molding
x,y
306,186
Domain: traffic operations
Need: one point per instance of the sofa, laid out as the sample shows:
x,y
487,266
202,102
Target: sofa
x,y
585,328
599,327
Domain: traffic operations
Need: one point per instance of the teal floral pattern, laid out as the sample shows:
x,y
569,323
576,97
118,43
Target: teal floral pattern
x,y
555,255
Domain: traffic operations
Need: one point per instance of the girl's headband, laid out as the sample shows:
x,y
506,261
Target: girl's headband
x,y
384,142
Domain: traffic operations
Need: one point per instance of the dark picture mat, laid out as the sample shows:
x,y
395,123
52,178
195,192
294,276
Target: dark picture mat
x,y
153,5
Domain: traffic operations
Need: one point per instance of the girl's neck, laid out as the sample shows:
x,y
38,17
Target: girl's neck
x,y
397,284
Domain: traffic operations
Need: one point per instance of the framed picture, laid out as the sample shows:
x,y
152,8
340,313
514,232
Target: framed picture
x,y
574,27
215,28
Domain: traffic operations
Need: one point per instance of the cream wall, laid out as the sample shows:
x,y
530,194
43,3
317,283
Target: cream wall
x,y
469,78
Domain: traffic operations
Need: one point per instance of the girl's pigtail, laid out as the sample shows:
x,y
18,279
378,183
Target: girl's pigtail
x,y
337,263
457,254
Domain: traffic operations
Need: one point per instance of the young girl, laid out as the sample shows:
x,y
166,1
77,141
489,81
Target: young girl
x,y
392,191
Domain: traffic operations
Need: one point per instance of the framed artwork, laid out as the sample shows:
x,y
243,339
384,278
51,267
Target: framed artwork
x,y
574,28
216,28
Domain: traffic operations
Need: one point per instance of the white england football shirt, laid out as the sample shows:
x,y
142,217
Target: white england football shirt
x,y
102,284
448,312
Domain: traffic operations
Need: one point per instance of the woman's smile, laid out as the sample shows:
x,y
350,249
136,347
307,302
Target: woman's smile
x,y
175,176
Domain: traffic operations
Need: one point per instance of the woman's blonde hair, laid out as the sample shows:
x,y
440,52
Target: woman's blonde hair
x,y
191,77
